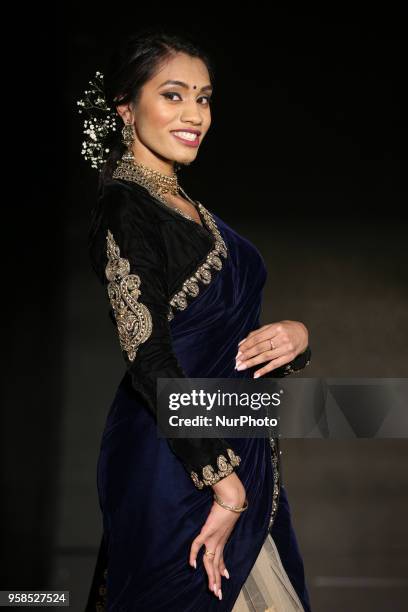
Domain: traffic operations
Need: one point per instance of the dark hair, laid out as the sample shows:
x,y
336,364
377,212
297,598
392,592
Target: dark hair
x,y
131,66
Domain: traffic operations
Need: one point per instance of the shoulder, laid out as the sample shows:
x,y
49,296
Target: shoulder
x,y
124,201
129,216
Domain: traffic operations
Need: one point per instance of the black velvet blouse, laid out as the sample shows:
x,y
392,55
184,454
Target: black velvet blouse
x,y
153,261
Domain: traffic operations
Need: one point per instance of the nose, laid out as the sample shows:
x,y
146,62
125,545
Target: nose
x,y
191,113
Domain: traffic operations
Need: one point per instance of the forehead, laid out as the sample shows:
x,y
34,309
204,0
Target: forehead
x,y
181,67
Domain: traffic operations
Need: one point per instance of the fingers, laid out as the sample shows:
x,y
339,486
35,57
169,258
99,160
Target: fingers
x,y
259,342
275,363
272,327
284,351
223,569
208,561
195,547
271,330
214,564
217,573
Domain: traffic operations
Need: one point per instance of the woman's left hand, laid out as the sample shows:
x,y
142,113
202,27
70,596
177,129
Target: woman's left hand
x,y
277,343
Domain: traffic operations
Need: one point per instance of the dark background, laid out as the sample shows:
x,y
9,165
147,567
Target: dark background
x,y
306,157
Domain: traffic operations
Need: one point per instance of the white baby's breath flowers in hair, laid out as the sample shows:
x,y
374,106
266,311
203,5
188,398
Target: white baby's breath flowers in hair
x,y
101,120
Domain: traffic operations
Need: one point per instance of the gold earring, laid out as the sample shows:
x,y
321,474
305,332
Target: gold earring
x,y
128,137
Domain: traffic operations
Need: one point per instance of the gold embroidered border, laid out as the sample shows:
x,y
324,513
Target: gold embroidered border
x,y
276,481
290,370
100,604
191,287
210,476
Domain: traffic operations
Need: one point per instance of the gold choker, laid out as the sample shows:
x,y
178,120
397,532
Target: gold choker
x,y
154,180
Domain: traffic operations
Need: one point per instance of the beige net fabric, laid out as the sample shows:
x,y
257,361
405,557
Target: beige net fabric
x,y
268,588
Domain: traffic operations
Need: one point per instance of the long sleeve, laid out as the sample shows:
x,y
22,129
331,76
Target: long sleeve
x,y
135,272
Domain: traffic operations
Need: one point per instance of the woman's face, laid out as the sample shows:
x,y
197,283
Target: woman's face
x,y
166,109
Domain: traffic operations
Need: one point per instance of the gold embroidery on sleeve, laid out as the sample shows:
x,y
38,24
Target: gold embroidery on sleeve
x,y
289,369
210,476
133,319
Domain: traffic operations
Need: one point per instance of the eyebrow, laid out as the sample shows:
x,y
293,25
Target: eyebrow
x,y
182,84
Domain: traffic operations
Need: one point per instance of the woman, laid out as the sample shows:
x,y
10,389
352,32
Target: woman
x,y
185,520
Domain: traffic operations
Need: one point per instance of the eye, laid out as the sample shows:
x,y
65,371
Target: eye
x,y
208,98
168,95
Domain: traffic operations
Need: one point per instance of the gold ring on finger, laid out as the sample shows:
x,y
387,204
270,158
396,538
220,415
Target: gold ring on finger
x,y
272,344
207,552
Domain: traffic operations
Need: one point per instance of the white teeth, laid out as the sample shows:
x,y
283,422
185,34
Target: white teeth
x,y
186,135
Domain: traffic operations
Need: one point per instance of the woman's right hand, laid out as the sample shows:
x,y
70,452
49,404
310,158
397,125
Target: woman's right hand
x,y
217,529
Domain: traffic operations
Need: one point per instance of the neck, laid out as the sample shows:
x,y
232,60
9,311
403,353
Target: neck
x,y
165,166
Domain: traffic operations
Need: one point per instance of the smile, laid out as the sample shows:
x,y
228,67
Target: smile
x,y
188,138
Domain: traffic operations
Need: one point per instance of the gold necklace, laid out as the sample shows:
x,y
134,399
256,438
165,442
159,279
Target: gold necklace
x,y
161,183
155,182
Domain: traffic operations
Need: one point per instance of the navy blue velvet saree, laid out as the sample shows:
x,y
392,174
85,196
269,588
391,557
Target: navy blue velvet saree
x,y
151,511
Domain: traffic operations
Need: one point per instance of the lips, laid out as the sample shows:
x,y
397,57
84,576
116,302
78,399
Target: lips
x,y
189,143
188,130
